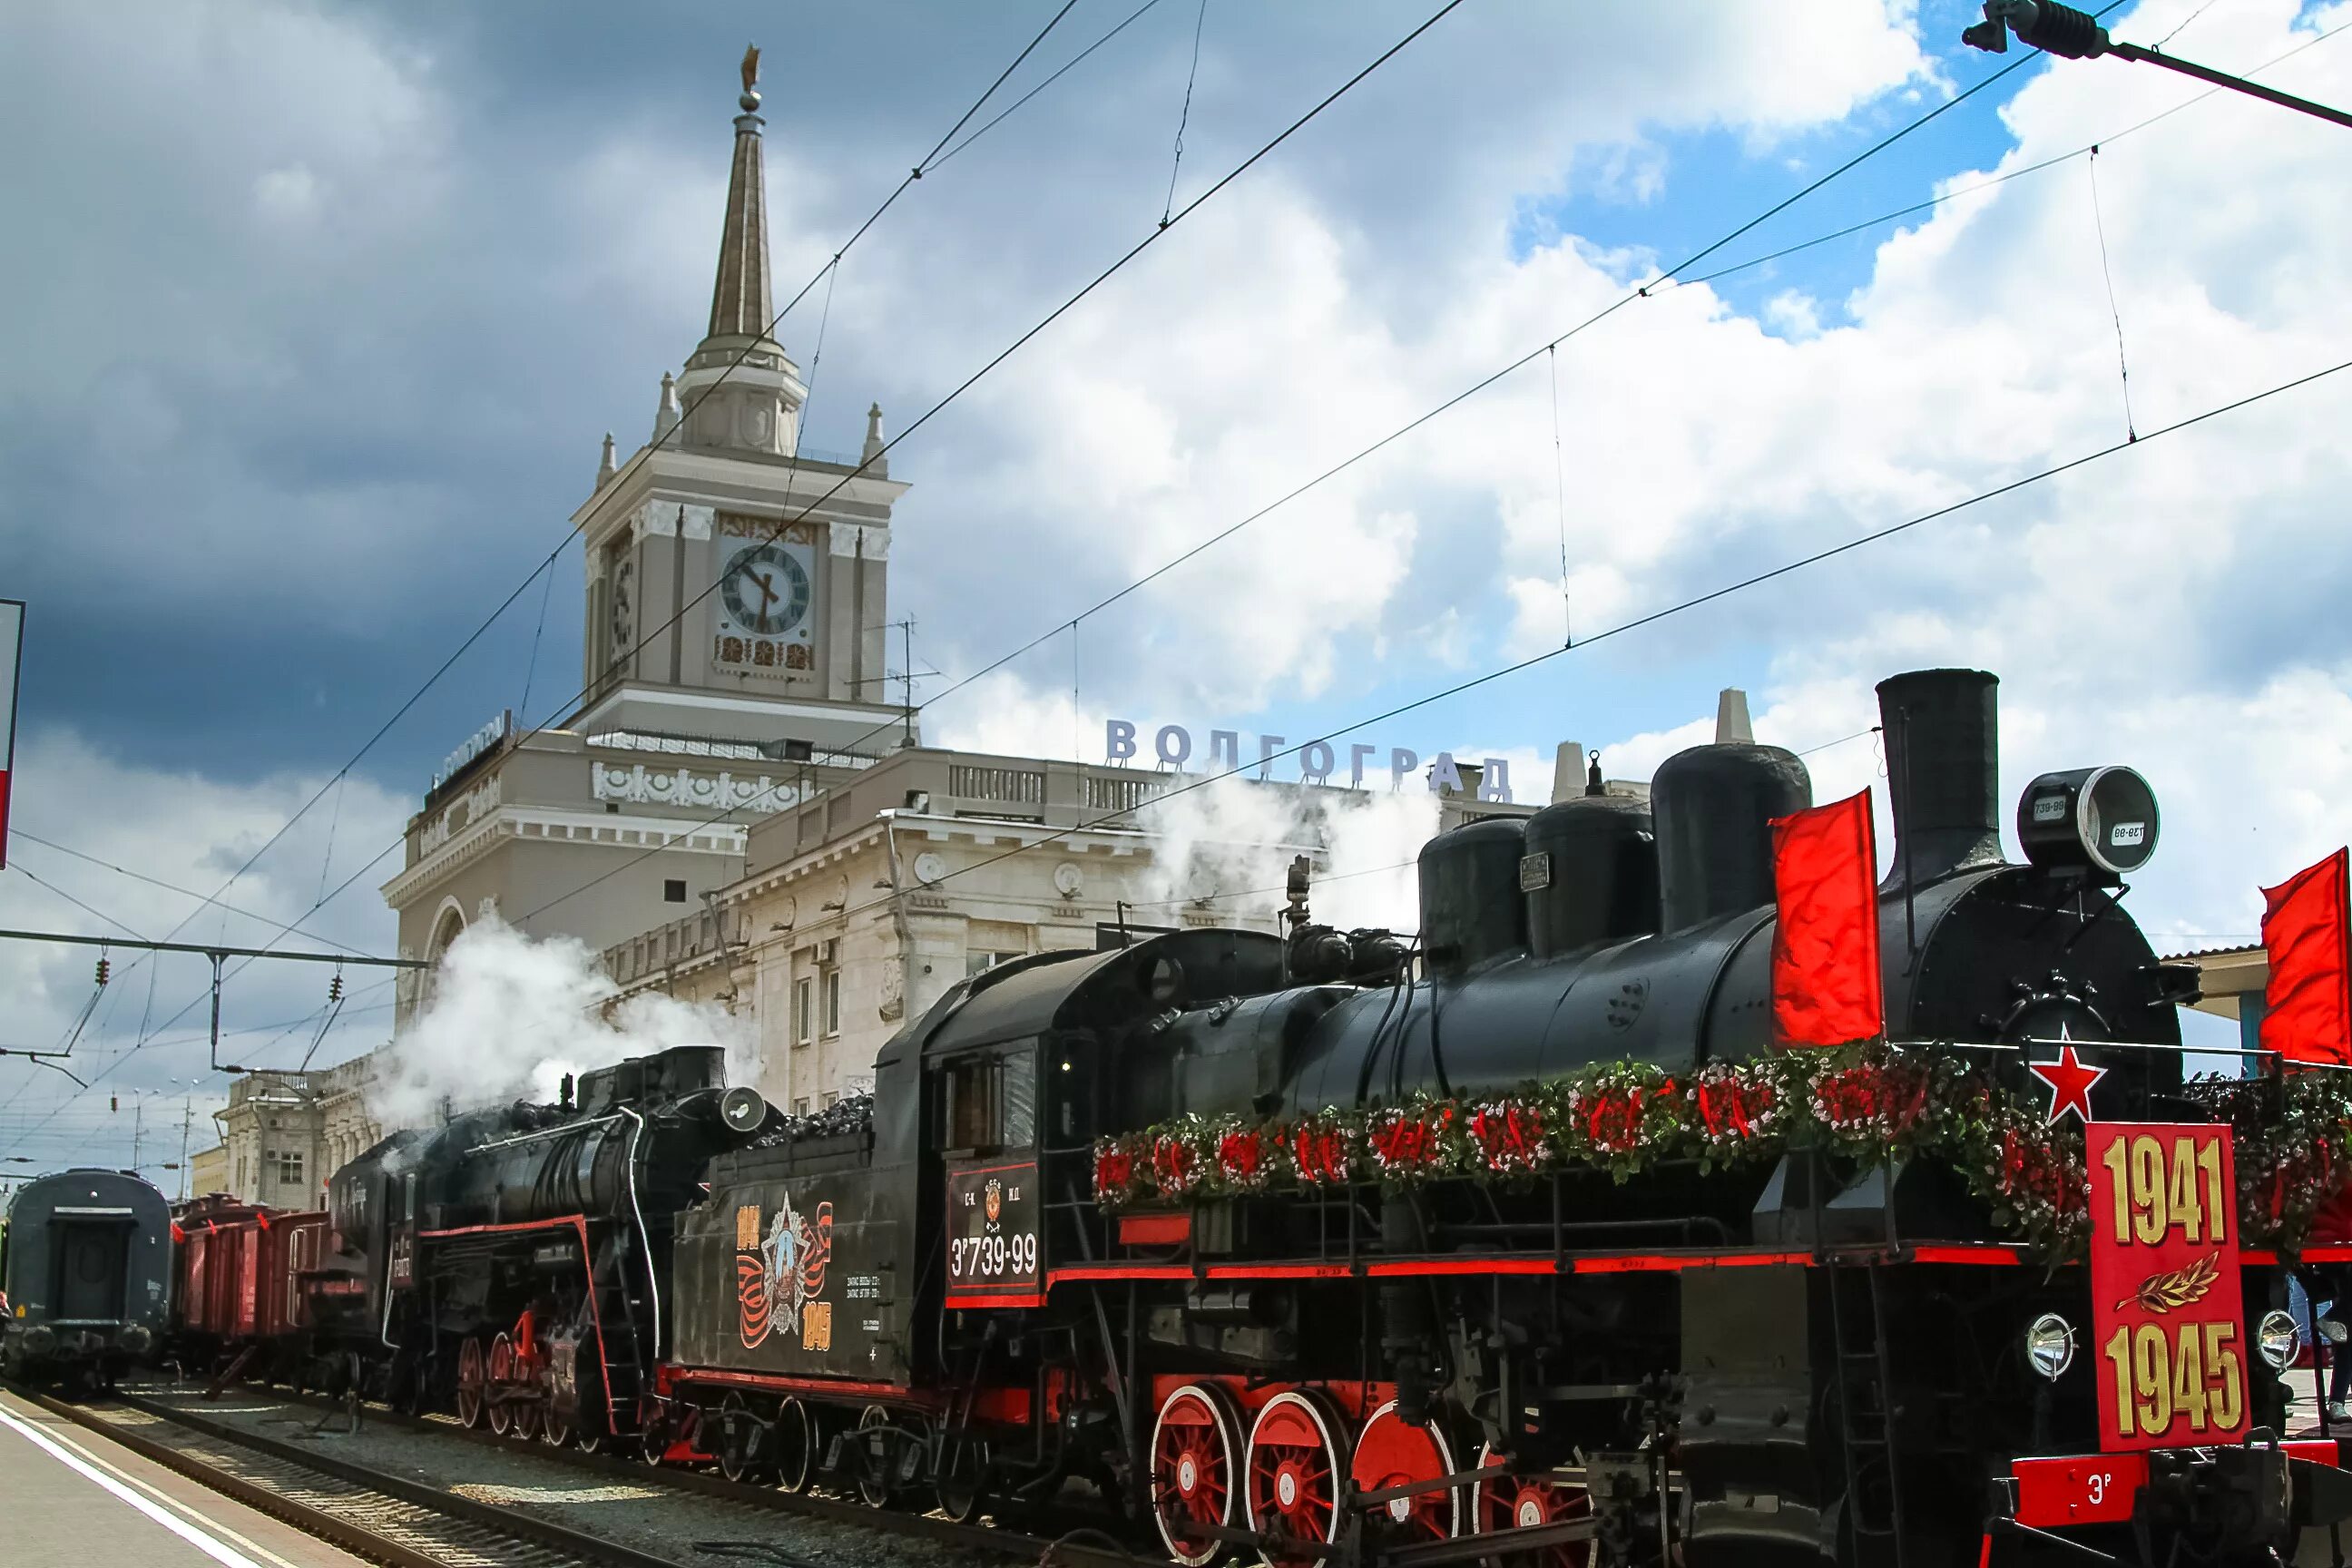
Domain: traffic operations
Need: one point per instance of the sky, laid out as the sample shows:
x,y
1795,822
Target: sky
x,y
319,315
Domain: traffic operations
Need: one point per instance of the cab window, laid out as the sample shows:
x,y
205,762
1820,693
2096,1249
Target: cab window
x,y
990,1099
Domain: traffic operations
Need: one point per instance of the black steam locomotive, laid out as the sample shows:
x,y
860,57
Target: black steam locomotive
x,y
1811,1358
515,1262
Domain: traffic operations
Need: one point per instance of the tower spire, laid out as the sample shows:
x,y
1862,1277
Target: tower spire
x,y
740,392
739,304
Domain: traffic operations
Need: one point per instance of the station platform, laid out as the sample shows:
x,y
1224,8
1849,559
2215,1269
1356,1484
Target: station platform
x,y
68,1499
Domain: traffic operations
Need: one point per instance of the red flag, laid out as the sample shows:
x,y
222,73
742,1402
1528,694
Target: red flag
x,y
1825,983
2307,1005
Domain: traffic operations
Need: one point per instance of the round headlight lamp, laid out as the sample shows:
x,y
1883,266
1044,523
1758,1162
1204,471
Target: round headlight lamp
x,y
2050,1345
2277,1338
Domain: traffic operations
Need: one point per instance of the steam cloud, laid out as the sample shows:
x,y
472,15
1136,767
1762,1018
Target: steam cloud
x,y
510,1015
1233,841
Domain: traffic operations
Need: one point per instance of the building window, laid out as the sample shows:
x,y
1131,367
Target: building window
x,y
804,1011
981,963
832,1002
800,1106
674,890
831,1095
289,1168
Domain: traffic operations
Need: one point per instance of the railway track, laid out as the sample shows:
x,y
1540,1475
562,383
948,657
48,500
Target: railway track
x,y
145,1409
385,1518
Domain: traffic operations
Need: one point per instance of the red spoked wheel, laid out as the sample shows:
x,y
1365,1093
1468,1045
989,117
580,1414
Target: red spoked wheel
x,y
1389,1453
1295,1478
501,1370
1196,1447
530,1400
1526,1502
555,1429
795,1447
736,1435
469,1382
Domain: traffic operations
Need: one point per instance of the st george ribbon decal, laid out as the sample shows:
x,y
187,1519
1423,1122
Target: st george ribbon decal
x,y
2168,1332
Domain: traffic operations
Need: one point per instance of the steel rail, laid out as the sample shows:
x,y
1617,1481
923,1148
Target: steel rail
x,y
988,1538
335,1527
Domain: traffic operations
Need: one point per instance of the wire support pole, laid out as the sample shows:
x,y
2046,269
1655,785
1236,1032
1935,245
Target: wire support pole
x,y
215,950
2136,54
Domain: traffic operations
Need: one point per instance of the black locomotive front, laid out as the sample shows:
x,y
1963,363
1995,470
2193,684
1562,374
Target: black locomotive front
x,y
515,1262
1796,1361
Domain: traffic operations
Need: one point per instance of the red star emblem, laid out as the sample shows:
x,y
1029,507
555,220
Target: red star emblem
x,y
2069,1082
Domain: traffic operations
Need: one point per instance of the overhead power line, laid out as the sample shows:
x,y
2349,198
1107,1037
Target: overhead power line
x,y
660,438
1066,623
170,887
968,382
1680,607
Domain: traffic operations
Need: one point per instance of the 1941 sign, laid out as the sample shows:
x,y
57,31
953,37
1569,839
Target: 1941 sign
x,y
2169,1318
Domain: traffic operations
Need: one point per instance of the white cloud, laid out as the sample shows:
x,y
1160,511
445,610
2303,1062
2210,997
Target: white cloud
x,y
178,826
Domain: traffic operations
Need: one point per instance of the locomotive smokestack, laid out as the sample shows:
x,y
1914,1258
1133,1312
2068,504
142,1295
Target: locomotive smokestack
x,y
1943,762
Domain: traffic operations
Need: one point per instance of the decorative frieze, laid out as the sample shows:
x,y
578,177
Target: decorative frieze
x,y
642,785
661,519
462,813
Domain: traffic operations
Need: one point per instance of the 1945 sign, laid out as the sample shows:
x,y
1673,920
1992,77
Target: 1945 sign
x,y
2170,1331
993,1230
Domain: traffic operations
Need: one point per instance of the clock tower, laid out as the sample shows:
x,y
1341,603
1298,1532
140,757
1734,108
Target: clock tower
x,y
736,579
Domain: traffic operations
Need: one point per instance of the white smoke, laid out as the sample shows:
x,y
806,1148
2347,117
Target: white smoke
x,y
510,1015
1230,844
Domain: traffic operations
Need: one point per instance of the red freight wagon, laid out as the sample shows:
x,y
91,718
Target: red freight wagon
x,y
222,1266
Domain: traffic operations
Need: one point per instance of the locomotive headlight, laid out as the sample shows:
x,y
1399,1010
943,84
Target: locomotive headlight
x,y
2276,1337
2050,1345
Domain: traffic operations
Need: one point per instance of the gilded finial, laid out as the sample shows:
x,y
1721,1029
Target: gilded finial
x,y
751,77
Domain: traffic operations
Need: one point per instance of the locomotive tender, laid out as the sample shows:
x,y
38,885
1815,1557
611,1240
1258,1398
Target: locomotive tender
x,y
1805,1359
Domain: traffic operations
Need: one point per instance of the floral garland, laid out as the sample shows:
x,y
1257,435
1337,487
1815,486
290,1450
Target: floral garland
x,y
1867,1103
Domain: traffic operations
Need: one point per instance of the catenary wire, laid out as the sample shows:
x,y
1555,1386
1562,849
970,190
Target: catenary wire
x,y
1665,278
1007,353
547,562
26,872
1008,112
2001,179
1679,607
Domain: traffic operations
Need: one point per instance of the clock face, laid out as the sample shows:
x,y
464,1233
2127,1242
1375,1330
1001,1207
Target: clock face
x,y
766,592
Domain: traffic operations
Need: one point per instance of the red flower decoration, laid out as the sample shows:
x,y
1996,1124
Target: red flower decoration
x,y
1410,1140
1114,1171
1511,1136
1173,1165
1729,1108
1242,1156
1613,1118
1320,1152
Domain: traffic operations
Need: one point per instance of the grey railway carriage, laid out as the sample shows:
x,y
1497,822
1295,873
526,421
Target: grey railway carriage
x,y
86,1269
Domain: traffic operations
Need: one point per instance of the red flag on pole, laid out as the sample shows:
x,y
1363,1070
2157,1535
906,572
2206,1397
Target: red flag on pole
x,y
1825,982
2307,1005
